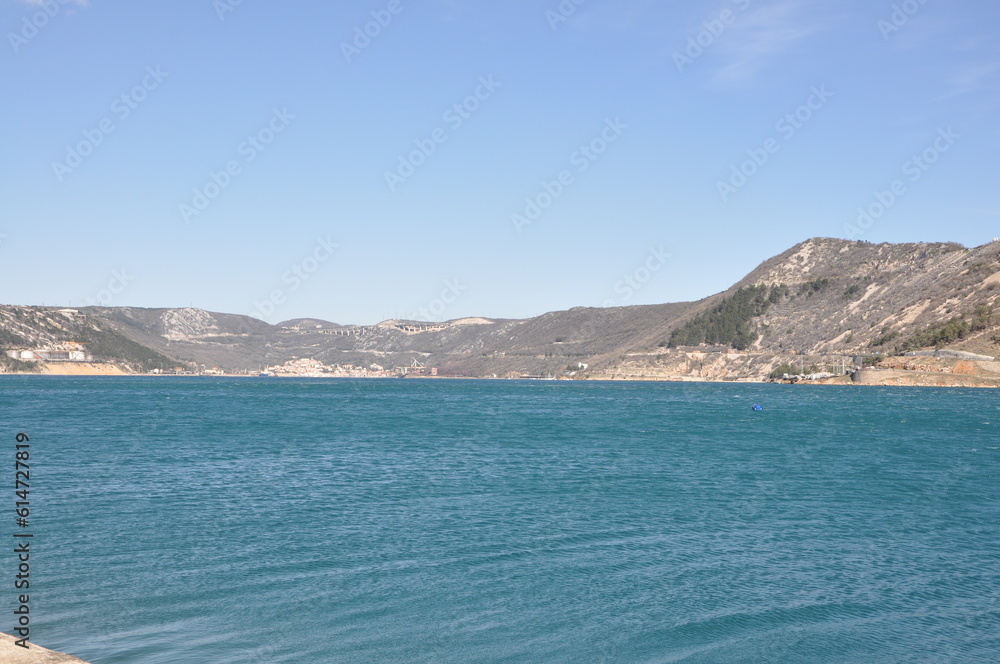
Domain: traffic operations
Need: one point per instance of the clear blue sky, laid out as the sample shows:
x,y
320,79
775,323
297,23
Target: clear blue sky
x,y
310,118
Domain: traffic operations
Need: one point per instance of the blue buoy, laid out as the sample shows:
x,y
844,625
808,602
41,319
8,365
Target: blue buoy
x,y
757,406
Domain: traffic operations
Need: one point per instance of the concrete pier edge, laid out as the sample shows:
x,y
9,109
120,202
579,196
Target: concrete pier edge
x,y
33,654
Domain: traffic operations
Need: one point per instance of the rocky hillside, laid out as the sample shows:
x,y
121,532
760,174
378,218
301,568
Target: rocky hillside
x,y
69,330
545,345
825,300
853,296
824,303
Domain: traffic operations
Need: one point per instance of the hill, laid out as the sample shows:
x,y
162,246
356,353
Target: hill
x,y
825,299
821,304
70,331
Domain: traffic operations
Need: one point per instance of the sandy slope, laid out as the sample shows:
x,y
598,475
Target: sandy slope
x,y
81,369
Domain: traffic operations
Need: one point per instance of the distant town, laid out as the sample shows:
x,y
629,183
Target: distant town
x,y
309,368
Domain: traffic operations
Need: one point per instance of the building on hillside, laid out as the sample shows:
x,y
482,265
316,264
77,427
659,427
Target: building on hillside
x,y
48,355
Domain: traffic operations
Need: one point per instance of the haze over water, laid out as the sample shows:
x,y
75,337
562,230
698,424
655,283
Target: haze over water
x,y
251,521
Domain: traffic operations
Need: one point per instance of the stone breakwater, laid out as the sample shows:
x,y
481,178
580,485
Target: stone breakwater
x,y
14,654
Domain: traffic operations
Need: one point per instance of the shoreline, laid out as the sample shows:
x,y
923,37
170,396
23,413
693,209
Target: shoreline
x,y
10,653
971,382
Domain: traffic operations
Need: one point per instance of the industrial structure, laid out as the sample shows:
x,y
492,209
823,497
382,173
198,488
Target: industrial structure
x,y
73,352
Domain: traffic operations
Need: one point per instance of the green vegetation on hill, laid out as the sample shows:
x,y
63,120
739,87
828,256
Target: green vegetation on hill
x,y
949,331
729,322
783,369
814,286
851,291
110,346
46,328
838,296
10,339
886,336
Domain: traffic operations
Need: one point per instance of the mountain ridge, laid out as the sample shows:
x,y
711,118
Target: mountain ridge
x,y
825,298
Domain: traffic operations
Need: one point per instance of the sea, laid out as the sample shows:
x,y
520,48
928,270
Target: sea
x,y
196,520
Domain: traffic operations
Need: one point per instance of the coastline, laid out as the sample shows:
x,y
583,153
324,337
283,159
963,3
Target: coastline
x,y
34,654
871,378
82,369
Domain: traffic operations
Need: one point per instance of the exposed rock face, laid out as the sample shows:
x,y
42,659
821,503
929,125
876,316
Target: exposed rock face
x,y
187,323
40,327
34,328
838,300
865,291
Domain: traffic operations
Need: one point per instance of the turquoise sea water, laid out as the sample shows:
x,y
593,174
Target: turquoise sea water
x,y
204,521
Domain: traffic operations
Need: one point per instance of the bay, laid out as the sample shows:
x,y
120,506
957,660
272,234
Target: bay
x,y
220,520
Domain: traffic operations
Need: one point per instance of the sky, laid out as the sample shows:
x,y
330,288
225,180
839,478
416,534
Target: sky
x,y
437,159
